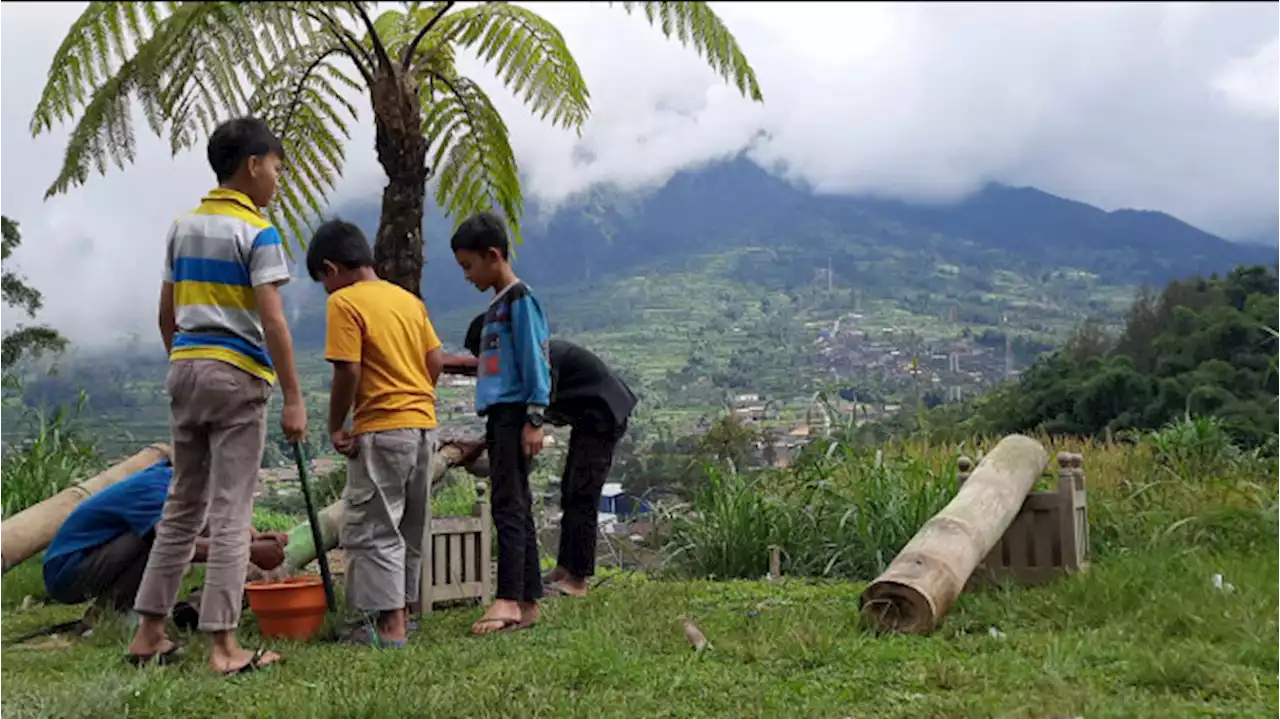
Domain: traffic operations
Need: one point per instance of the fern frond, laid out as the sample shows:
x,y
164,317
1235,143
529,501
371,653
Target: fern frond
x,y
301,99
86,59
189,65
695,23
470,151
527,53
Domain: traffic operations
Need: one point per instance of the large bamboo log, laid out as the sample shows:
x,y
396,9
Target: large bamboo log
x,y
301,549
31,530
921,583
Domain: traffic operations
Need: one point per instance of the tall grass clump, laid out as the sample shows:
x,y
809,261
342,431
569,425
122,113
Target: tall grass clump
x,y
844,512
54,455
1185,486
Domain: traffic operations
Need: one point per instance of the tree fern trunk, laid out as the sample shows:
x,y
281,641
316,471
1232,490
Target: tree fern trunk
x,y
402,151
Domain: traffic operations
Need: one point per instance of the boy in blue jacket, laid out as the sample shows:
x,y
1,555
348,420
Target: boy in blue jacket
x,y
513,388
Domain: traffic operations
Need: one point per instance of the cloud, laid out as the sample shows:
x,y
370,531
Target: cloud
x,y
1171,107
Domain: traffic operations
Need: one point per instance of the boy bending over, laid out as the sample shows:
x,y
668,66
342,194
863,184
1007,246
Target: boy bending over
x,y
513,385
386,358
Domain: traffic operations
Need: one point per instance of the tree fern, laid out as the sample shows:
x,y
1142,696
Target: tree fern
x,y
695,23
302,99
528,54
475,168
191,65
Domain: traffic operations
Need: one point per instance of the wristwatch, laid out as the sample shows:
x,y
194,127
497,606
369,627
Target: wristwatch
x,y
533,417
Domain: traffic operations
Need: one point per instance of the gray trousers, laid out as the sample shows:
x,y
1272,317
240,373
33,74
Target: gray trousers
x,y
388,513
218,416
109,574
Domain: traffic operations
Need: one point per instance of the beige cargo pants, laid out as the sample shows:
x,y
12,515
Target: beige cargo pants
x,y
388,512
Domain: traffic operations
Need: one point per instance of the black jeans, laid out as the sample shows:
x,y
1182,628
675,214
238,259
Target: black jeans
x,y
109,574
519,575
585,470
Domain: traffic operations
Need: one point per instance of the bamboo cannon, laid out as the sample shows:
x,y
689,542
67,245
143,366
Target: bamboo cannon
x,y
301,549
31,530
922,582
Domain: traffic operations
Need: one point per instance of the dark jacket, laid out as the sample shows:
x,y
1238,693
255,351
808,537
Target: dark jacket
x,y
584,391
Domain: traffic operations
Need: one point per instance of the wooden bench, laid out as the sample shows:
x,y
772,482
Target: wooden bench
x,y
458,565
1050,536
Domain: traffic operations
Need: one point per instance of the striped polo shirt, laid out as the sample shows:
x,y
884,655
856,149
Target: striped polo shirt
x,y
216,255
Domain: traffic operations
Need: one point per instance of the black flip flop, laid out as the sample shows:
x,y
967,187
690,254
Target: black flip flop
x,y
254,664
165,658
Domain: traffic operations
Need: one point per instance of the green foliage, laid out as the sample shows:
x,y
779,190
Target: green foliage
x,y
270,520
23,342
54,456
192,64
1193,448
1202,347
695,23
844,513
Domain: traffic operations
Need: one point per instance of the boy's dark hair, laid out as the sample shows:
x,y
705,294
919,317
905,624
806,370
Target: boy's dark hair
x,y
479,233
235,141
472,342
341,243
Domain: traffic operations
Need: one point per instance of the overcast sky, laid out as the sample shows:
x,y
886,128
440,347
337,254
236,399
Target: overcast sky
x,y
1167,107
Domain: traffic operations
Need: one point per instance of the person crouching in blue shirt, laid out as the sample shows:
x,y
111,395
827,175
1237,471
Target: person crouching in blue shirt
x,y
101,549
513,388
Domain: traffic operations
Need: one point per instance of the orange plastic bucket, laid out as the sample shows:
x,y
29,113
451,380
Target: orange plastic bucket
x,y
292,608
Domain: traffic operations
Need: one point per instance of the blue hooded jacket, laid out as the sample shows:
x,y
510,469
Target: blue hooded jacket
x,y
515,367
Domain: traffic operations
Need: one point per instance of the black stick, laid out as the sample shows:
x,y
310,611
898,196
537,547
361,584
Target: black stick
x,y
314,519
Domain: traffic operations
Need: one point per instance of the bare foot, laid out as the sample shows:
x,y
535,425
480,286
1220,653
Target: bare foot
x,y
227,656
528,614
392,625
150,638
241,660
569,586
502,615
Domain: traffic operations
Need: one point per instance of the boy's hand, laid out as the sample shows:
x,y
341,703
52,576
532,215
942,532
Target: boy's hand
x,y
293,420
532,441
266,553
344,442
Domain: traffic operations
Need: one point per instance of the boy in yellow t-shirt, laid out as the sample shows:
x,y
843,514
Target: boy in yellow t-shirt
x,y
386,358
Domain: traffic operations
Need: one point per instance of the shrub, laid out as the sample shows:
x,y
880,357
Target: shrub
x,y
845,514
54,456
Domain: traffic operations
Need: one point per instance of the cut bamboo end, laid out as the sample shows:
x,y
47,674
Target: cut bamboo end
x,y
897,607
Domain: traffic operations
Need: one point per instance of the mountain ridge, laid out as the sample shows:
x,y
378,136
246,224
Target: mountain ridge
x,y
605,231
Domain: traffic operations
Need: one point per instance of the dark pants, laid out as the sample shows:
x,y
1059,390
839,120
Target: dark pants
x,y
110,574
585,470
519,576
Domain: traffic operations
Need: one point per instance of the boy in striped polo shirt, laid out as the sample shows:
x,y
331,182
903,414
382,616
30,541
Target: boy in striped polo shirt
x,y
223,325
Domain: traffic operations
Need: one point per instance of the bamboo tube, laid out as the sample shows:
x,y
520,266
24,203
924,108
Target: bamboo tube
x,y
921,583
31,530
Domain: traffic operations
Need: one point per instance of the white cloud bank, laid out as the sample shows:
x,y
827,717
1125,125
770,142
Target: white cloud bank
x,y
1159,106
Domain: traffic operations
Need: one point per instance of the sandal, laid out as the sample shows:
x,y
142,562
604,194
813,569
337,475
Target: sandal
x,y
254,664
165,658
368,636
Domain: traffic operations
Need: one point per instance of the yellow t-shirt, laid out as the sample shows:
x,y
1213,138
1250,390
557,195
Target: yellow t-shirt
x,y
386,330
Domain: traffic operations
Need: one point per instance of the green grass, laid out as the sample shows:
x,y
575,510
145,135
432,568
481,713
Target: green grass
x,y
1136,636
1144,632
